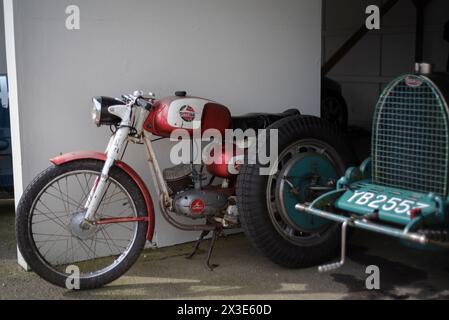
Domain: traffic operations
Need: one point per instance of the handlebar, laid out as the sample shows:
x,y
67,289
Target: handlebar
x,y
147,105
137,98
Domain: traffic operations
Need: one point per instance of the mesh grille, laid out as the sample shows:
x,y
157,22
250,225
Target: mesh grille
x,y
410,137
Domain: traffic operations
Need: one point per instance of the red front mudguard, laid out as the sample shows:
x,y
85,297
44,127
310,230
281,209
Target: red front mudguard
x,y
87,155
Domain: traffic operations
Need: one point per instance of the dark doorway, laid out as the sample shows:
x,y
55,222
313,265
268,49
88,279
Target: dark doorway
x,y
6,173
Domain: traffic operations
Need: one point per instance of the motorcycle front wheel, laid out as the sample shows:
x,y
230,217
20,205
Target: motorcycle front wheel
x,y
63,251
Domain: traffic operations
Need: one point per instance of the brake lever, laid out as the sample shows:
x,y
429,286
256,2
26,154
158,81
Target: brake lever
x,y
140,100
147,105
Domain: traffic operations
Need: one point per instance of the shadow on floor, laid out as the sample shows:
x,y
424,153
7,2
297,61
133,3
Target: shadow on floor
x,y
7,234
245,274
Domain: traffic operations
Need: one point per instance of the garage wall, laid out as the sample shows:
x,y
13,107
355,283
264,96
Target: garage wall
x,y
252,55
383,54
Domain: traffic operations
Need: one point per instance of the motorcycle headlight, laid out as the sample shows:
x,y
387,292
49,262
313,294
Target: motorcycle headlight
x,y
100,111
96,112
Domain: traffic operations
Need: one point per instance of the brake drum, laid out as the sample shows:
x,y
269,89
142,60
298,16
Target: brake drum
x,y
303,179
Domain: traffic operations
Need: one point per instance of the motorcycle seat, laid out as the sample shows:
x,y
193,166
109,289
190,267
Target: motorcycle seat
x,y
259,121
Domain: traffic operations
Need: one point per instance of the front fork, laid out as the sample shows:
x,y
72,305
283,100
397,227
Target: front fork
x,y
114,153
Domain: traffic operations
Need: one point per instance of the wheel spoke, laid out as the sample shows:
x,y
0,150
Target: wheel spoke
x,y
58,221
70,201
46,220
83,190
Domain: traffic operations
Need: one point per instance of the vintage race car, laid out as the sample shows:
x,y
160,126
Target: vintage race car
x,y
402,190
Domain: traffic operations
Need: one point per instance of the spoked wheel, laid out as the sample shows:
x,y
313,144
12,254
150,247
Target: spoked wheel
x,y
312,156
58,245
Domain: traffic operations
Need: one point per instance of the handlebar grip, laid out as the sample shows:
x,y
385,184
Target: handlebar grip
x,y
144,104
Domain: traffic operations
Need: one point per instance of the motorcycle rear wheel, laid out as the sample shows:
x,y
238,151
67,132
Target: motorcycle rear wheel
x,y
50,237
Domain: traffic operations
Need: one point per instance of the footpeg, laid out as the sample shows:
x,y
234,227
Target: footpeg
x,y
338,265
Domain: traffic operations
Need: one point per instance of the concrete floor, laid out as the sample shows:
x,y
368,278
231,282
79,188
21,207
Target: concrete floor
x,y
244,274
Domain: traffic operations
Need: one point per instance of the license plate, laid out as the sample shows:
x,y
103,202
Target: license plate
x,y
393,204
385,203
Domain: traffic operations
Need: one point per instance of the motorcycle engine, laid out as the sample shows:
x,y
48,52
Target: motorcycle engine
x,y
198,204
179,178
189,202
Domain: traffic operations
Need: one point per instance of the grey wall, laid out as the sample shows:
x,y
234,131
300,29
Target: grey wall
x,y
383,54
252,55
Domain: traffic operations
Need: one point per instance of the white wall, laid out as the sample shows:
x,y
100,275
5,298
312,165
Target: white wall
x,y
383,54
252,55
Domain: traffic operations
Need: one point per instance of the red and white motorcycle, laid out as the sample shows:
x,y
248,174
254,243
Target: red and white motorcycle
x,y
92,210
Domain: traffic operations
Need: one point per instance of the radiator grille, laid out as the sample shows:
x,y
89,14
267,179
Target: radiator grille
x,y
410,137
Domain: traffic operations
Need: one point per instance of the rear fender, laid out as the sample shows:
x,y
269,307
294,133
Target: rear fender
x,y
89,155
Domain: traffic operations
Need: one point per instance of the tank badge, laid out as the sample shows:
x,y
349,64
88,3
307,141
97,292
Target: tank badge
x,y
413,82
197,206
187,113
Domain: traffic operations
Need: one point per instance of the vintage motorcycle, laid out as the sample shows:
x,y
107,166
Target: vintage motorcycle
x,y
92,210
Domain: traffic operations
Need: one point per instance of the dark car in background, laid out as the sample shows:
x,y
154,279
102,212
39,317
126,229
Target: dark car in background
x,y
333,106
6,173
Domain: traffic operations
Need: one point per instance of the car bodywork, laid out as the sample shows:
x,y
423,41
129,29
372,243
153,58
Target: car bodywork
x,y
402,190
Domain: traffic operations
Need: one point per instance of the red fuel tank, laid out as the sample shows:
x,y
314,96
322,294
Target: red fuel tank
x,y
189,113
226,163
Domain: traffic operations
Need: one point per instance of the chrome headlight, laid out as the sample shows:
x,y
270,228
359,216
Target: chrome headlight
x,y
96,112
100,111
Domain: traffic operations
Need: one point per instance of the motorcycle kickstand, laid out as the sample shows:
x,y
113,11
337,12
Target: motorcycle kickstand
x,y
215,236
203,235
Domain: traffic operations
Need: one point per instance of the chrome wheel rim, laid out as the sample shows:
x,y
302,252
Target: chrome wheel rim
x,y
57,243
